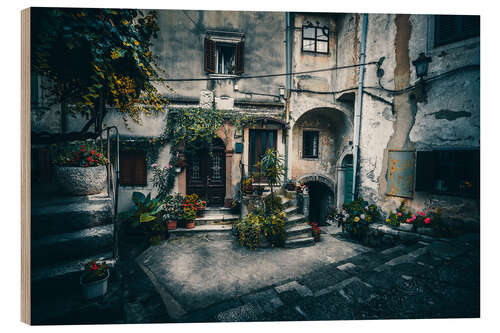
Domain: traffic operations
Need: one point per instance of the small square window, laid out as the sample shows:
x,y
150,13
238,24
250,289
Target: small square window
x,y
224,57
310,144
315,39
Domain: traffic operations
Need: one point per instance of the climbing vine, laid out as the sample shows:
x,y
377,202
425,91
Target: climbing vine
x,y
193,129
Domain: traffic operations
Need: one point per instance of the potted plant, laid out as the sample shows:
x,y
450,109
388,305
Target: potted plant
x,y
247,185
356,215
171,208
80,169
188,212
316,231
94,280
291,185
301,188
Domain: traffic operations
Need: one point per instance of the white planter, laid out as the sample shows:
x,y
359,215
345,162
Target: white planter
x,y
81,180
94,289
405,227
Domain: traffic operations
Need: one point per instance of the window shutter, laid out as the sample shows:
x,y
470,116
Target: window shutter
x,y
209,56
239,57
133,168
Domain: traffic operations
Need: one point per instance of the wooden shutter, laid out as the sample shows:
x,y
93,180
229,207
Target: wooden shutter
x,y
239,55
453,28
209,56
133,168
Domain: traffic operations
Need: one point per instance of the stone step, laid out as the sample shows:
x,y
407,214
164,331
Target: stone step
x,y
79,244
291,210
299,229
302,241
48,280
57,218
217,218
295,219
200,229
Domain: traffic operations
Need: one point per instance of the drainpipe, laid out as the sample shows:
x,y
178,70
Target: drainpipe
x,y
288,87
359,106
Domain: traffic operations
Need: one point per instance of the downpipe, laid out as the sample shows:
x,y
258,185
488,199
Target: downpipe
x,y
359,107
288,87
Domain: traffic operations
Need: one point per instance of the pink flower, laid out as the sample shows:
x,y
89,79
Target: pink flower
x,y
427,220
399,214
422,213
408,220
154,165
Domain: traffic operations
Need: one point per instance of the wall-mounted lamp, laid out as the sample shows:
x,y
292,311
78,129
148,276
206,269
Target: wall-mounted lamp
x,y
422,65
282,91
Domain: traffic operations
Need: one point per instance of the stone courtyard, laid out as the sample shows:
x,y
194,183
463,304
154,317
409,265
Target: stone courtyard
x,y
208,278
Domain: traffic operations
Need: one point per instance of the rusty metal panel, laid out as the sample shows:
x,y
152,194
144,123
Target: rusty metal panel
x,y
401,173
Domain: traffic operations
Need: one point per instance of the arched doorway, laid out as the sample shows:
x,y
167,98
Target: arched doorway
x,y
206,173
320,201
344,175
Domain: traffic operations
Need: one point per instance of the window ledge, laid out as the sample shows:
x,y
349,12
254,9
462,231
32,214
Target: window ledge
x,y
222,76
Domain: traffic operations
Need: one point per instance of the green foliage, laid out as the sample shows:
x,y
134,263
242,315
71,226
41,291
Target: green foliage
x,y
79,154
272,167
268,222
357,215
94,57
145,209
400,216
94,271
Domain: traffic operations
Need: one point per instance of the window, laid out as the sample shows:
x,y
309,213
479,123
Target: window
x,y
224,56
310,142
315,39
453,28
454,172
133,168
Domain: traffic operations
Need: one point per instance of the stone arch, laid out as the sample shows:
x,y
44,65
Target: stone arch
x,y
314,177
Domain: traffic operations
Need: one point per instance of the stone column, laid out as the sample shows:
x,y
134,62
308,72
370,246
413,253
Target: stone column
x,y
340,187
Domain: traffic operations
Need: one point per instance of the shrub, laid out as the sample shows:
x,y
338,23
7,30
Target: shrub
x,y
400,216
356,216
84,154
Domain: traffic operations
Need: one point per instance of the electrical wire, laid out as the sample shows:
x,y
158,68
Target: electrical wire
x,y
433,78
263,75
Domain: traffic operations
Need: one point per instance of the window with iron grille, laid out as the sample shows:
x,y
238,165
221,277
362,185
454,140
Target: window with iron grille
x,y
310,143
453,28
223,57
133,168
452,172
315,39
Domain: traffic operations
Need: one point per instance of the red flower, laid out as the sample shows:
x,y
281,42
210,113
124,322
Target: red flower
x,y
82,149
94,267
86,164
92,152
427,220
98,155
89,159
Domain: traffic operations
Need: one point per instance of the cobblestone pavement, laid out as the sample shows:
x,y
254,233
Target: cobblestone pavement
x,y
422,280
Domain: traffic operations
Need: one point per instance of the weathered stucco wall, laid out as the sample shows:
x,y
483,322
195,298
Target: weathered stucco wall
x,y
180,50
447,118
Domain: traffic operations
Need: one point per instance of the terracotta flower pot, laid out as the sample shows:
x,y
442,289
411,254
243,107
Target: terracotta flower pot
x,y
172,225
190,225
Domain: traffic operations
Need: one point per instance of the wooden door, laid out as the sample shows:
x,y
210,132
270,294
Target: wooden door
x,y
260,141
206,175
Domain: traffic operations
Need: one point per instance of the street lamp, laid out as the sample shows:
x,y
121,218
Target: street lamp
x,y
421,65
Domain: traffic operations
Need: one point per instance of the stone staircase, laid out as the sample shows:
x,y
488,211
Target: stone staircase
x,y
67,232
299,233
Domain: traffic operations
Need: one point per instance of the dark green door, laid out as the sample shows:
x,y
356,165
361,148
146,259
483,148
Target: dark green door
x,y
347,164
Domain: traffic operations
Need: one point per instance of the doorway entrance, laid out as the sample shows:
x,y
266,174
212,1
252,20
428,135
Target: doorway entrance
x,y
260,141
320,202
206,173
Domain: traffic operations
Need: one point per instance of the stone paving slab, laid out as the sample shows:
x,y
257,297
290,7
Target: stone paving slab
x,y
196,273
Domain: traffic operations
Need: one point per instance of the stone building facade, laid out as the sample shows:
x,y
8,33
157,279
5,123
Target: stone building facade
x,y
435,125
